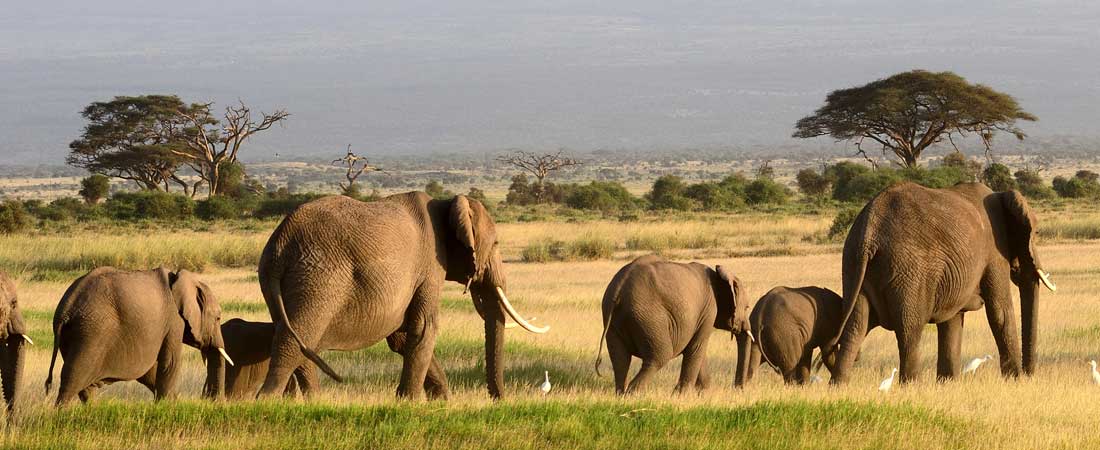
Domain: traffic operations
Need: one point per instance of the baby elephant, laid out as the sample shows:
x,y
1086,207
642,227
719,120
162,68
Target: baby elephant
x,y
113,325
656,310
249,345
789,323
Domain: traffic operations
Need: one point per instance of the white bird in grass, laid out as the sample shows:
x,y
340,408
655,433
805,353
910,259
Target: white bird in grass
x,y
975,363
888,382
545,387
814,379
1095,374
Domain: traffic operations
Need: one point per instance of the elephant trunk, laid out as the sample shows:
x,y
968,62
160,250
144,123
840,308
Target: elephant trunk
x,y
1029,321
494,343
744,348
214,388
12,359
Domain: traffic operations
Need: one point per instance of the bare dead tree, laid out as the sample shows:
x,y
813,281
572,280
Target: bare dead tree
x,y
210,146
539,166
356,165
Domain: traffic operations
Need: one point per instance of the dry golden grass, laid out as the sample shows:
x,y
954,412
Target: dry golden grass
x,y
1056,408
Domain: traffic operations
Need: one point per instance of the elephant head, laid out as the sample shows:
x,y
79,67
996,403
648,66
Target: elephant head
x,y
733,315
202,326
1027,270
475,260
13,338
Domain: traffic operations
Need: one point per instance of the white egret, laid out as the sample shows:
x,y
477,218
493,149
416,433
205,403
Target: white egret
x,y
1095,374
888,382
814,379
975,363
545,387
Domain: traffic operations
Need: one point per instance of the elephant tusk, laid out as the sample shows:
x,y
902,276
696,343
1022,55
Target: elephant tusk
x,y
751,337
516,317
1045,278
28,339
225,355
513,324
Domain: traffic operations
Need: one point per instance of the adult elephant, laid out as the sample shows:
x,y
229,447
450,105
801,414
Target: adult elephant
x,y
917,255
343,274
13,337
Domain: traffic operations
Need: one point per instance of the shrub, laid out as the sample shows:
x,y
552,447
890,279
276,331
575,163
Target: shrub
x,y
13,217
149,205
94,188
668,193
435,189
589,248
811,183
605,196
938,178
1082,185
998,177
278,205
1032,186
865,185
520,192
714,196
843,222
217,208
764,190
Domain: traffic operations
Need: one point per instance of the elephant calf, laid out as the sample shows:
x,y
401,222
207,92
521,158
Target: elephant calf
x,y
249,345
789,323
113,325
656,310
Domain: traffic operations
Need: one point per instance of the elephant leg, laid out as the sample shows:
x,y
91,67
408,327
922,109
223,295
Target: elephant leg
x,y
286,357
620,361
908,335
78,372
949,334
801,372
1002,322
149,380
435,382
88,393
650,367
694,357
703,381
851,339
420,333
306,379
168,364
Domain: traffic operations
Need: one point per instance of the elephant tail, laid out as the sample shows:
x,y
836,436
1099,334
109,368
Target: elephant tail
x,y
861,257
760,345
603,337
276,292
53,359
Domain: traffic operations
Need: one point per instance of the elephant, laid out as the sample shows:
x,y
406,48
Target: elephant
x,y
656,310
342,274
249,345
13,337
917,256
789,323
114,325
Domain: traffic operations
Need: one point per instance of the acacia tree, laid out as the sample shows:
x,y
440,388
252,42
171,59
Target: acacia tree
x,y
134,138
539,166
910,111
217,143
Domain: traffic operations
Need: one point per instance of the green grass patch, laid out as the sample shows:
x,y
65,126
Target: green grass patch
x,y
585,248
244,307
520,425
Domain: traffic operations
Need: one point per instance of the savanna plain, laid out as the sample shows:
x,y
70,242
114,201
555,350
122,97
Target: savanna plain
x,y
1058,407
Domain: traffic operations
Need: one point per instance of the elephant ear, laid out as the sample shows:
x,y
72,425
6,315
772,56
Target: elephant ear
x,y
1021,224
462,222
738,308
187,296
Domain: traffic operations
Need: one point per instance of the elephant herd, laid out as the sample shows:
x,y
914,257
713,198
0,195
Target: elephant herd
x,y
340,274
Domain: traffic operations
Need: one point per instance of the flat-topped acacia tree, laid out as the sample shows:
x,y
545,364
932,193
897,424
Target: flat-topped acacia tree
x,y
910,111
